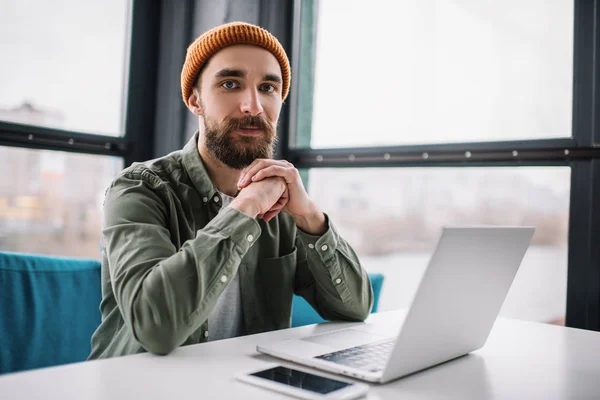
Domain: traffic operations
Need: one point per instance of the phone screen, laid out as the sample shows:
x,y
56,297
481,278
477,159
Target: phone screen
x,y
303,380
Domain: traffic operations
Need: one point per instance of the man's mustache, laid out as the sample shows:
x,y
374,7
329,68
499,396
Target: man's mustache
x,y
233,123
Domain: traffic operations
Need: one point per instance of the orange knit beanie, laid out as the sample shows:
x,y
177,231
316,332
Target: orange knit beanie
x,y
210,42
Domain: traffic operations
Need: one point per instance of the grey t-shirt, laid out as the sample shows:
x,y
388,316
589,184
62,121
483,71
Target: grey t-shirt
x,y
226,320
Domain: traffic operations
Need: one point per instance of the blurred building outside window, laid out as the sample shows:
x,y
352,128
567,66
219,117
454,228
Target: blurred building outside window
x,y
51,201
393,218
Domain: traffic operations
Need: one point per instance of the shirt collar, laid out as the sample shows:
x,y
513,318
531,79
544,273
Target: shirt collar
x,y
194,166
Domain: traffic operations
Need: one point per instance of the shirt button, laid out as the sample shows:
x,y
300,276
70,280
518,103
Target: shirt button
x,y
224,279
205,199
205,333
311,246
250,238
324,247
338,280
216,199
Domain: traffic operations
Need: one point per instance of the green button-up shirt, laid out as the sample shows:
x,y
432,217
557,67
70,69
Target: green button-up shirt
x,y
169,253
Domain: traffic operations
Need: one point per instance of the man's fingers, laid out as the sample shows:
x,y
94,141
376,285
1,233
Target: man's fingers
x,y
274,170
250,170
257,165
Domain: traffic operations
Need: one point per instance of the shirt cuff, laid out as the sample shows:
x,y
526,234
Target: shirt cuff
x,y
323,246
234,224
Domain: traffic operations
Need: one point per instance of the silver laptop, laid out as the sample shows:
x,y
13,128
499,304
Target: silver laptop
x,y
451,314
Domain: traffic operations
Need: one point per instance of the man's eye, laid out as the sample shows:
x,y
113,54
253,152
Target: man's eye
x,y
268,88
229,85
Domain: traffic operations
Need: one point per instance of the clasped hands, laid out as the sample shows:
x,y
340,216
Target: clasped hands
x,y
268,187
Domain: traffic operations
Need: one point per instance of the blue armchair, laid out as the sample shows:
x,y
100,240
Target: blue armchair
x,y
49,309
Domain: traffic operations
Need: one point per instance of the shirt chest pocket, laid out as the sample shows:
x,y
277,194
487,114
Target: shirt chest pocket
x,y
277,278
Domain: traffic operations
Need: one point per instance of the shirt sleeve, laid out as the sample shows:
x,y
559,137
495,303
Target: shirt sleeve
x,y
165,294
329,276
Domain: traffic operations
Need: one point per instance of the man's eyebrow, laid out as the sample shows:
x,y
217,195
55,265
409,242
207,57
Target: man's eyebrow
x,y
238,73
272,78
229,72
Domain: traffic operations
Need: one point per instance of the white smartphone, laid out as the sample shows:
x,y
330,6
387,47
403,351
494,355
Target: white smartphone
x,y
305,385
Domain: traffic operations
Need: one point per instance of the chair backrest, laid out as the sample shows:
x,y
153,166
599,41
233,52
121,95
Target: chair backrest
x,y
304,314
49,309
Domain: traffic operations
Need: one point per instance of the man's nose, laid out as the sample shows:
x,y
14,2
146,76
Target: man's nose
x,y
251,103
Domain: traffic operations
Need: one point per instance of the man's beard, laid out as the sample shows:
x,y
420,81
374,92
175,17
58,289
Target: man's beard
x,y
237,151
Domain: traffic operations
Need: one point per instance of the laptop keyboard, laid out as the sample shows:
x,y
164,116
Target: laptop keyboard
x,y
370,357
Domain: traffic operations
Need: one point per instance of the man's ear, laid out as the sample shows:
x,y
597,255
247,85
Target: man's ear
x,y
194,104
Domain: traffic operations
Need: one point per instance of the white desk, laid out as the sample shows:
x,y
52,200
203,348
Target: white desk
x,y
521,360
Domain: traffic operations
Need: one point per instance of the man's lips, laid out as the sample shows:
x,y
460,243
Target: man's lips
x,y
249,131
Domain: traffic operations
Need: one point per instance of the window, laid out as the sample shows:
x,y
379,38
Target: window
x,y
483,111
66,129
434,71
64,64
393,217
52,203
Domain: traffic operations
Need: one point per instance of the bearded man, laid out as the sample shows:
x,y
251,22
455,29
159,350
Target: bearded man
x,y
212,241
